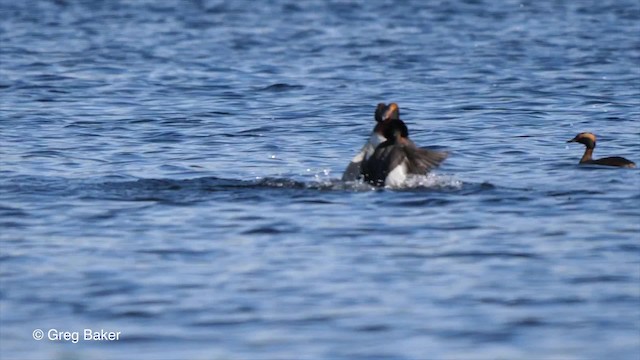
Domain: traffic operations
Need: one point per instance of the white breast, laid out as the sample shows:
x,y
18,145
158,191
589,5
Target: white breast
x,y
397,176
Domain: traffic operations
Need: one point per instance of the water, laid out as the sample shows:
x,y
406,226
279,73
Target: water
x,y
170,170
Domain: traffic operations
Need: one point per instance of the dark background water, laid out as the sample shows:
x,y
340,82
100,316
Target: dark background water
x,y
168,169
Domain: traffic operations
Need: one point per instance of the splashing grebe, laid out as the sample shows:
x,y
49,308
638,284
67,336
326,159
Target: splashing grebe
x,y
398,157
383,115
589,140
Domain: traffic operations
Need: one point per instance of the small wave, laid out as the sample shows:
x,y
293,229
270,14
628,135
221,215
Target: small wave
x,y
278,87
209,184
197,189
270,182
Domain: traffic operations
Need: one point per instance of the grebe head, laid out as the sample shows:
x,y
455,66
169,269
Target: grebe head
x,y
586,138
391,113
385,113
379,111
396,128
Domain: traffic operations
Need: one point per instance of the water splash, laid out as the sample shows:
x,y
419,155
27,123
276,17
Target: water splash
x,y
433,181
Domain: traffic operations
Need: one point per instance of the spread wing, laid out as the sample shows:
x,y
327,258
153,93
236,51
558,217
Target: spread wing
x,y
423,160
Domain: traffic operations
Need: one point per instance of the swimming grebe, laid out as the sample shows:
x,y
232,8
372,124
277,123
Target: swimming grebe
x,y
383,114
398,157
589,140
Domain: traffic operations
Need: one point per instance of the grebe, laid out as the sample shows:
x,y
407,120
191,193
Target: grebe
x,y
589,140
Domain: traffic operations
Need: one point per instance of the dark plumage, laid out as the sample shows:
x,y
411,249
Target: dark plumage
x,y
398,156
589,141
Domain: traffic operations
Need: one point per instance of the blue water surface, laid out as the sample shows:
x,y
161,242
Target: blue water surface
x,y
170,170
